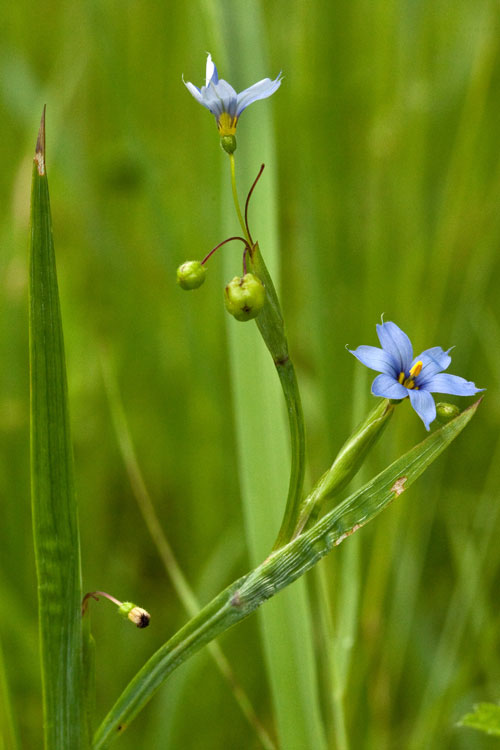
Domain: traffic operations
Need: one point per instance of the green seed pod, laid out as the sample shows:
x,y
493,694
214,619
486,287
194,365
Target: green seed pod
x,y
244,297
228,143
191,274
445,412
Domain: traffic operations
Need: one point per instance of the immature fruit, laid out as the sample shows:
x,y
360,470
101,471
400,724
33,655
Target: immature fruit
x,y
244,297
191,274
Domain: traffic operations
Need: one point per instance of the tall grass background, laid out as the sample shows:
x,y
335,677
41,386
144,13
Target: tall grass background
x,y
382,196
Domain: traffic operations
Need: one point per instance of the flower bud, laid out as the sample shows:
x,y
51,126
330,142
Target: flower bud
x,y
445,412
244,297
228,143
135,614
191,274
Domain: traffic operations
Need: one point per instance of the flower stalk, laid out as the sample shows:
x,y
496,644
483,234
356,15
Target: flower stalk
x,y
236,201
272,329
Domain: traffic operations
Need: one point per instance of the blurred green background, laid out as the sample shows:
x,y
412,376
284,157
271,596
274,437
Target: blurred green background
x,y
385,153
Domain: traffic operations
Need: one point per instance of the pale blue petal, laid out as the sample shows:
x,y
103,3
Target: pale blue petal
x,y
433,361
195,91
260,90
226,95
211,72
452,384
424,405
217,98
397,344
387,387
376,359
211,101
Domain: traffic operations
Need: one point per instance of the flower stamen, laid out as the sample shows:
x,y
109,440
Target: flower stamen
x,y
416,369
409,382
227,124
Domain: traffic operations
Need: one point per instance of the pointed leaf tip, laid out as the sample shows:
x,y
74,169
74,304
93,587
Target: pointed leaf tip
x,y
40,146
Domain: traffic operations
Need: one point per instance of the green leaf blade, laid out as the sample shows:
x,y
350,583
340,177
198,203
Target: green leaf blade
x,y
55,524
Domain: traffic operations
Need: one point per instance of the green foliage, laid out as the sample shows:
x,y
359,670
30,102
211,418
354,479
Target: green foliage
x,y
485,718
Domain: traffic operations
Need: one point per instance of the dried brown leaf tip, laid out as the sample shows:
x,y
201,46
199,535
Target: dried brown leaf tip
x,y
40,146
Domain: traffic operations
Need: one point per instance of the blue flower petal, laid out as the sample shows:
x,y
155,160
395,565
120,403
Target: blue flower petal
x,y
216,97
376,359
397,344
387,387
211,72
219,97
212,101
260,90
433,360
424,405
452,384
227,96
195,91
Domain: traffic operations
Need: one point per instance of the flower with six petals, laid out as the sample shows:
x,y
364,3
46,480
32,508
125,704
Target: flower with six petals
x,y
222,100
404,375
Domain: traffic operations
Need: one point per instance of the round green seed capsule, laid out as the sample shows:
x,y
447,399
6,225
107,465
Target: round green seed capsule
x,y
191,274
445,412
244,297
228,143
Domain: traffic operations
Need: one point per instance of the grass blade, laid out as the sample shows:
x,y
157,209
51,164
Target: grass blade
x,y
55,525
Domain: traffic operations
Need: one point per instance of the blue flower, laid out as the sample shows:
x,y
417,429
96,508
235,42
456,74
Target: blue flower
x,y
223,101
404,375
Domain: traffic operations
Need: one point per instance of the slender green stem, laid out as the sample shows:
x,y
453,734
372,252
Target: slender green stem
x,y
272,329
279,570
339,737
236,199
288,379
271,326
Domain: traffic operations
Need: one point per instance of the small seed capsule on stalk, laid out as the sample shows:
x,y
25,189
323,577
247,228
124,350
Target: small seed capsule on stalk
x,y
244,297
445,411
228,143
191,274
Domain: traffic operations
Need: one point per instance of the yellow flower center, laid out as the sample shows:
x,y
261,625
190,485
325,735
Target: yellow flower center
x,y
409,382
227,124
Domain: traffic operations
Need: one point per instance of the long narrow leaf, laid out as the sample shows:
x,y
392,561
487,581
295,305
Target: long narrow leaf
x,y
55,527
282,568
